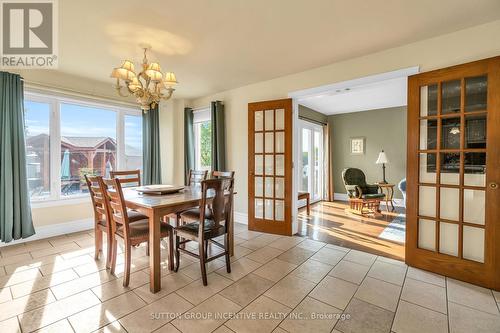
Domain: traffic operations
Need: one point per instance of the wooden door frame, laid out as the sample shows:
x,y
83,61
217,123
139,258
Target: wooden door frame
x,y
287,228
462,269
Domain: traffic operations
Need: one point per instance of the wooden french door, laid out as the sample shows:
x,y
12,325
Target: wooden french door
x,y
270,166
453,172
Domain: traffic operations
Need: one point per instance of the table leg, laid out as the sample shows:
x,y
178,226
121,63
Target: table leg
x,y
392,202
154,253
386,192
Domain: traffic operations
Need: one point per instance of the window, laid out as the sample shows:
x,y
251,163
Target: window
x,y
202,127
67,138
133,142
37,131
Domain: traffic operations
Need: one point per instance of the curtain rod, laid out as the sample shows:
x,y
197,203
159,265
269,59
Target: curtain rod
x,y
313,120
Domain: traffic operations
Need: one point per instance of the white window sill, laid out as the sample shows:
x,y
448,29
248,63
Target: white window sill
x,y
74,200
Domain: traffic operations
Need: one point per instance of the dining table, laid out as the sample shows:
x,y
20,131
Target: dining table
x,y
155,207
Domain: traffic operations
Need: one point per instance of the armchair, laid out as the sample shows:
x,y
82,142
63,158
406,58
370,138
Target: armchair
x,y
364,199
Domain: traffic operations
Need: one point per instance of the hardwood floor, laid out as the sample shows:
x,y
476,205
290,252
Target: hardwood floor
x,y
329,223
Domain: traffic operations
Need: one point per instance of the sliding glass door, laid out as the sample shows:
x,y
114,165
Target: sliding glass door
x,y
311,159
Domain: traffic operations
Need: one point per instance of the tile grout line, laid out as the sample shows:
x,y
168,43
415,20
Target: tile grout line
x,y
308,294
399,300
475,309
263,293
357,287
447,307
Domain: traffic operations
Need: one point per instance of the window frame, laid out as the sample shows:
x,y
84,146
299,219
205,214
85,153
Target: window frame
x,y
200,116
54,100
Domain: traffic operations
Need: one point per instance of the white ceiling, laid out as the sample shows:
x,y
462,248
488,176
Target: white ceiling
x,y
378,95
223,44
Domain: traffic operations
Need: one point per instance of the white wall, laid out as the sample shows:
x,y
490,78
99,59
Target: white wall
x,y
447,50
459,47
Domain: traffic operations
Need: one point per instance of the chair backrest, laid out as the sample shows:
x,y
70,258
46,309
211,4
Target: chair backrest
x,y
224,174
131,177
97,195
227,174
217,189
197,176
353,176
116,205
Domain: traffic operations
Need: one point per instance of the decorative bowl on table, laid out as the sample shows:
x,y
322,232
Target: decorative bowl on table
x,y
159,189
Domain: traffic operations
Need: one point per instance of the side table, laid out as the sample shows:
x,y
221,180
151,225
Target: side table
x,y
388,190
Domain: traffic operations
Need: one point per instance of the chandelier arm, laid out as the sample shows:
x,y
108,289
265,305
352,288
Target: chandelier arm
x,y
119,87
140,81
130,91
166,97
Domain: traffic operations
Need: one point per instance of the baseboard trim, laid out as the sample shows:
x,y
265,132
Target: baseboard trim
x,y
343,197
241,218
58,229
52,230
340,196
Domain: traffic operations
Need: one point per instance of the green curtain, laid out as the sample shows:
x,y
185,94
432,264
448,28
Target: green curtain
x,y
15,210
188,143
151,162
218,136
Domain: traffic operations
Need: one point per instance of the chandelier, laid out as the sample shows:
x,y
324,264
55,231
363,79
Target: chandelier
x,y
148,87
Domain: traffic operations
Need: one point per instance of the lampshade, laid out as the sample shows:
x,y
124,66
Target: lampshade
x,y
154,66
128,65
154,72
382,158
170,79
122,73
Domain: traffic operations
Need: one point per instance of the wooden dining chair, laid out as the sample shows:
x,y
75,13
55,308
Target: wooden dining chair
x,y
195,177
97,195
193,214
204,230
130,177
227,174
133,234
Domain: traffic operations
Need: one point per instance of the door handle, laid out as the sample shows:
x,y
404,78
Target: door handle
x,y
493,186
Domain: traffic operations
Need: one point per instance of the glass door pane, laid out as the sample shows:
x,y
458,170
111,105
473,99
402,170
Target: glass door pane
x,y
305,159
311,153
452,167
270,166
453,181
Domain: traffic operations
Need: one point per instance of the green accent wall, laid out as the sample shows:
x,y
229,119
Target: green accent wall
x,y
383,129
310,114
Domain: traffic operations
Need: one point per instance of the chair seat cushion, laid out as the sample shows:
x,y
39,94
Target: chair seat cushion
x,y
373,196
140,229
133,216
194,214
193,227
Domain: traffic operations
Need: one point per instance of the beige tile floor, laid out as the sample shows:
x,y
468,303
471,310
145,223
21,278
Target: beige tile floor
x,y
277,284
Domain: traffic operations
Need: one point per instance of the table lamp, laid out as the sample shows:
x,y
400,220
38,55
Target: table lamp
x,y
382,159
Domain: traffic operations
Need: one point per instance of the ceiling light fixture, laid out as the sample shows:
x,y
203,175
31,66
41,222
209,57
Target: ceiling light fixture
x,y
149,86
